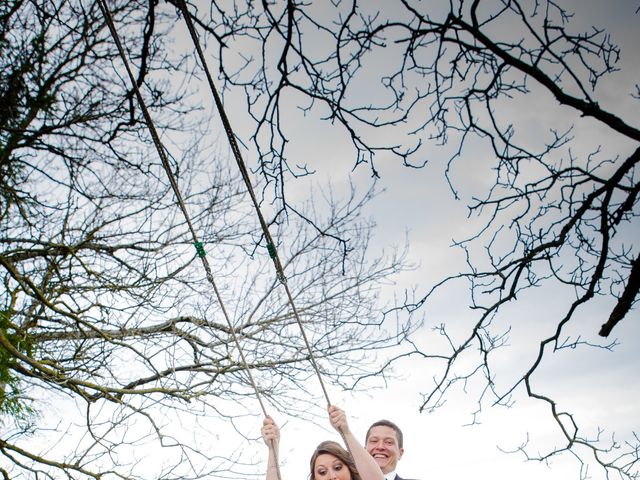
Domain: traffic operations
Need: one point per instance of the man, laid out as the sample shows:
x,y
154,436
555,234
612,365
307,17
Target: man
x,y
384,444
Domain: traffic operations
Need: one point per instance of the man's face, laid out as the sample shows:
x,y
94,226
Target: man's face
x,y
382,445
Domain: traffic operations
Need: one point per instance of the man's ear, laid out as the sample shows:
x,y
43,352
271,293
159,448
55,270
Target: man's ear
x,y
401,453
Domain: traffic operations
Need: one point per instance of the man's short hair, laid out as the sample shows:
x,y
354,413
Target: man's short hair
x,y
386,423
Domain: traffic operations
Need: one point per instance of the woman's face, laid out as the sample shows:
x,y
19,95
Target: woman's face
x,y
330,467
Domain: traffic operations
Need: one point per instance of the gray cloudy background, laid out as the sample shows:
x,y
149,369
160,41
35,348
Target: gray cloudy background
x,y
420,212
599,387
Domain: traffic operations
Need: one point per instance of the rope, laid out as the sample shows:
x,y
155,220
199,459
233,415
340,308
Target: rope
x,y
174,185
271,248
245,175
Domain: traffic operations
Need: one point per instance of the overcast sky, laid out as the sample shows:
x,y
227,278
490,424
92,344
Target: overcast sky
x,y
600,387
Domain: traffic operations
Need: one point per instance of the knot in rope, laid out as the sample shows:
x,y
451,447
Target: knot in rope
x,y
200,249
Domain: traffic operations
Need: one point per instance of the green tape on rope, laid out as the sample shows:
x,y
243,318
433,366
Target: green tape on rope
x,y
272,250
200,249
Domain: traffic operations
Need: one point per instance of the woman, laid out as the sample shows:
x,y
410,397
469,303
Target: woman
x,y
329,461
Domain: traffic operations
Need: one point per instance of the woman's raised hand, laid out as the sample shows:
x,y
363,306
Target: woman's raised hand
x,y
270,432
338,419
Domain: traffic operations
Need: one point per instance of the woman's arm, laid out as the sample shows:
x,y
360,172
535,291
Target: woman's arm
x,y
366,465
271,436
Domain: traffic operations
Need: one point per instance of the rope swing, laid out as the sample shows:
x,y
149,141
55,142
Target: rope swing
x,y
174,185
271,248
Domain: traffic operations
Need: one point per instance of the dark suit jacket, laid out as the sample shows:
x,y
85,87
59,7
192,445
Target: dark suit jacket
x,y
398,477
